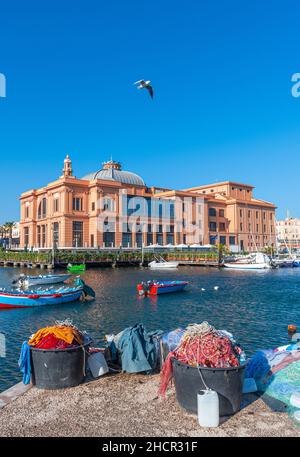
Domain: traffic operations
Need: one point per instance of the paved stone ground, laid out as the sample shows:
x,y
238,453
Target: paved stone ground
x,y
127,405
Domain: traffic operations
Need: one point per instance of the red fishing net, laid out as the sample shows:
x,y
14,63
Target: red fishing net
x,y
212,350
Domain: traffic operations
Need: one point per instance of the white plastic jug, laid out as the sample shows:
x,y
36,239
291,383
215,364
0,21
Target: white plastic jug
x,y
97,364
208,408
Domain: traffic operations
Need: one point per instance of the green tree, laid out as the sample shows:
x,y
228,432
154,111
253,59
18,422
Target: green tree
x,y
8,228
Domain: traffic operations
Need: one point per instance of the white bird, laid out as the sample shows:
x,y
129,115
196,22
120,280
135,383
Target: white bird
x,y
202,288
145,85
216,287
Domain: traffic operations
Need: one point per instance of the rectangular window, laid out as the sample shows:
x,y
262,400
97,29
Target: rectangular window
x,y
249,213
256,214
26,236
56,234
93,206
26,212
241,227
257,228
139,239
212,212
232,240
212,240
149,238
221,213
77,204
170,238
241,213
44,206
264,214
56,205
223,240
77,234
43,236
222,227
213,226
92,240
39,236
160,239
109,239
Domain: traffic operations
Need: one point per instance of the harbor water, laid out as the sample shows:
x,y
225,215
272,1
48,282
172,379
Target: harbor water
x,y
256,306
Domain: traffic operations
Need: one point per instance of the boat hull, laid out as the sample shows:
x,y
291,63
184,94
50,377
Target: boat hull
x,y
163,265
47,279
247,266
9,300
163,288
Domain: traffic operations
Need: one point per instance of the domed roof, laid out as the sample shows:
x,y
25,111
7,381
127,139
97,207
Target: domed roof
x,y
111,171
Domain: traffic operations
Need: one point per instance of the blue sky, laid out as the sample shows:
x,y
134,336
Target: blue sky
x,y
222,110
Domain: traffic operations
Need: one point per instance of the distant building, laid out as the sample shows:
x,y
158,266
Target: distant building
x,y
10,237
97,210
15,239
288,232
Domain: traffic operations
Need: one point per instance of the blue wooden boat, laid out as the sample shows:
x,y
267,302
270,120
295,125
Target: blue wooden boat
x,y
27,280
161,287
29,299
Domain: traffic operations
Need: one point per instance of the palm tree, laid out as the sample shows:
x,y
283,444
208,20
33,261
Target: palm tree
x,y
8,227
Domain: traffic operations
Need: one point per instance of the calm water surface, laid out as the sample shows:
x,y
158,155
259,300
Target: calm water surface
x,y
255,306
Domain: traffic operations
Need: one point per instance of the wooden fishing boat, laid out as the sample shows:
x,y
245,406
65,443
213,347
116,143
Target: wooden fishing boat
x,y
76,268
161,287
26,280
21,299
43,297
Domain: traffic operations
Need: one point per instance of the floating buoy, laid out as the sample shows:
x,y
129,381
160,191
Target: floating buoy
x,y
202,288
216,287
292,329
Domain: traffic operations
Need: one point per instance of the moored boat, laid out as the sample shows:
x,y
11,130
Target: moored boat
x,y
258,262
76,268
43,297
160,287
160,263
26,280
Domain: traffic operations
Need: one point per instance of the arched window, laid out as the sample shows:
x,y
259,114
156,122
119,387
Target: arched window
x,y
42,208
108,204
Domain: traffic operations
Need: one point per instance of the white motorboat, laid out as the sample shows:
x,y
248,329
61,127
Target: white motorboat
x,y
160,263
26,280
257,262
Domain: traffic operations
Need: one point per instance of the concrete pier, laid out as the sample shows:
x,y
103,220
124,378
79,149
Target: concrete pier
x,y
129,405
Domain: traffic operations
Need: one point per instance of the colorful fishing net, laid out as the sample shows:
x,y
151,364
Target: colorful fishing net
x,y
202,345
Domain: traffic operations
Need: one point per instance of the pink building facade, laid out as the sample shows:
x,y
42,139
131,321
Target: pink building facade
x,y
113,208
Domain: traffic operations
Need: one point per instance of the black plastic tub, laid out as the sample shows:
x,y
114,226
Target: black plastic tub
x,y
58,368
227,382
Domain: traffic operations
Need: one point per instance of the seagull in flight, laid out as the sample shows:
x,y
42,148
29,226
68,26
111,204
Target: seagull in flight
x,y
145,85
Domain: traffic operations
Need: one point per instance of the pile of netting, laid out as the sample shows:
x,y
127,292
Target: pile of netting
x,y
203,346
